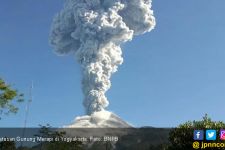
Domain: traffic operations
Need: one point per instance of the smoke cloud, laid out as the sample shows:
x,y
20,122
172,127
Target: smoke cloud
x,y
93,31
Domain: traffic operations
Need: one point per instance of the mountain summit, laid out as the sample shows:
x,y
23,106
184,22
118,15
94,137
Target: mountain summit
x,y
100,119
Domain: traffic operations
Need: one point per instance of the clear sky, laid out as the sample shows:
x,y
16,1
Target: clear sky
x,y
173,74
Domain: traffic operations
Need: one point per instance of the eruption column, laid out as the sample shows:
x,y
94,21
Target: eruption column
x,y
93,31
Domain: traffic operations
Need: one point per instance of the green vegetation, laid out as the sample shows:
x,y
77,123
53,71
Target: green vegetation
x,y
7,146
182,137
8,96
45,131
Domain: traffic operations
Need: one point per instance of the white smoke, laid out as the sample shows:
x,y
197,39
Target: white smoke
x,y
93,31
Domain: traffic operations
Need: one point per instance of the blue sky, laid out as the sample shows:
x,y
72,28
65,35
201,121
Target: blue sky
x,y
173,74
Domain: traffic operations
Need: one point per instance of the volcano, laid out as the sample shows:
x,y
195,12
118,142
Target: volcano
x,y
100,119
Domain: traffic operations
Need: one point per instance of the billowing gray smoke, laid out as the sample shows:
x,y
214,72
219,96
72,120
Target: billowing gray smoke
x,y
93,31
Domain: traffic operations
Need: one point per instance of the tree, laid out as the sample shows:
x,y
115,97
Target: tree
x,y
8,96
48,132
7,145
182,137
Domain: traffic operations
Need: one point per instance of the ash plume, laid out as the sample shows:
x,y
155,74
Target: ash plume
x,y
93,31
